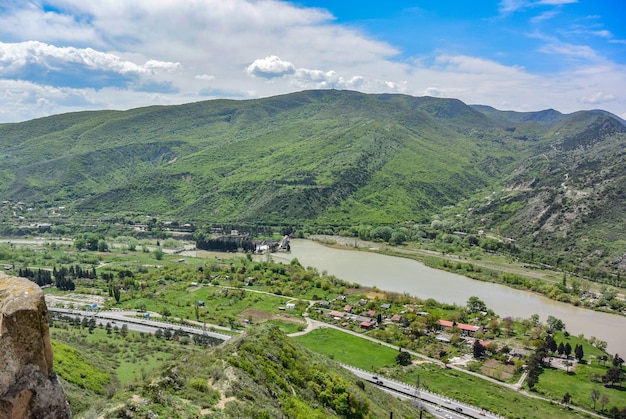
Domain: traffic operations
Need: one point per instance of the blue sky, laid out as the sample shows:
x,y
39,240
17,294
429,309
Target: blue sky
x,y
67,55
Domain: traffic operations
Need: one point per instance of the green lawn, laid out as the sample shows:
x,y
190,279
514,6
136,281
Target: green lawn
x,y
349,349
554,383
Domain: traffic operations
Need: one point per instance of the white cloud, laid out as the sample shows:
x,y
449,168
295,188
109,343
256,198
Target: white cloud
x,y
161,65
24,100
545,16
432,91
598,97
574,51
511,6
603,34
128,54
270,67
15,56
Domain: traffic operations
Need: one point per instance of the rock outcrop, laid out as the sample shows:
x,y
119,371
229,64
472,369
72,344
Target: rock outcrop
x,y
29,388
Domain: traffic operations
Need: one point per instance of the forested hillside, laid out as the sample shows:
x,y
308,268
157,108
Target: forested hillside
x,y
332,158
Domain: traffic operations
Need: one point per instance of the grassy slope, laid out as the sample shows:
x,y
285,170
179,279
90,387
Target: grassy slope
x,y
292,157
262,374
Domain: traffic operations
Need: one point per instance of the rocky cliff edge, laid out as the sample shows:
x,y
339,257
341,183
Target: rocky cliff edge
x,y
29,388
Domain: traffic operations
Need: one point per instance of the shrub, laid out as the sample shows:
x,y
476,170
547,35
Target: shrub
x,y
199,384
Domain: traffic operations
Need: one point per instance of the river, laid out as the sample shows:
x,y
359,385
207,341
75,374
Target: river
x,y
406,275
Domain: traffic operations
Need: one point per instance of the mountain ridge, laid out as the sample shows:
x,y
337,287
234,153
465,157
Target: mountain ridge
x,y
324,157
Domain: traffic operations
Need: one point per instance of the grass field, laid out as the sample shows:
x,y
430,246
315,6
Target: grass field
x,y
349,349
361,353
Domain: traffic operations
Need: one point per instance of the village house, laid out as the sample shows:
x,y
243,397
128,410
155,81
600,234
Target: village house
x,y
466,329
336,314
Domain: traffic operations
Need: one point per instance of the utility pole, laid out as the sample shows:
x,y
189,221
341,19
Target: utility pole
x,y
417,400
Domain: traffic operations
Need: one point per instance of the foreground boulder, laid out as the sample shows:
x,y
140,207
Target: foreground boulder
x,y
29,388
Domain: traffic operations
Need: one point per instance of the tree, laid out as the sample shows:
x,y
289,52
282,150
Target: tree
x,y
476,305
381,233
600,344
478,349
397,237
124,330
509,325
555,324
102,246
561,349
604,400
566,398
492,348
532,378
595,395
534,319
579,353
568,350
167,334
613,375
80,243
617,361
533,367
158,253
550,343
116,293
403,358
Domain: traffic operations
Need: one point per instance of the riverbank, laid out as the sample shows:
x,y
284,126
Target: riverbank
x,y
490,268
408,276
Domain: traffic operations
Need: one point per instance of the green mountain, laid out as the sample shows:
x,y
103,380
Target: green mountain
x,y
333,158
569,196
260,374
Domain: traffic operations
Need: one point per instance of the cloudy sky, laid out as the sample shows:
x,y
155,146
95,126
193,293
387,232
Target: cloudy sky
x,y
66,55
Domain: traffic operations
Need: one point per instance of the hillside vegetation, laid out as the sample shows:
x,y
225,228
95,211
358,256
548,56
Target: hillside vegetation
x,y
331,158
261,374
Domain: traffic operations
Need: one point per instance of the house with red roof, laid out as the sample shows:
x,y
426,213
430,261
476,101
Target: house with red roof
x,y
336,314
466,329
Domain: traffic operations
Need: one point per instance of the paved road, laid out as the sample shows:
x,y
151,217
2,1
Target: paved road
x,y
137,324
436,404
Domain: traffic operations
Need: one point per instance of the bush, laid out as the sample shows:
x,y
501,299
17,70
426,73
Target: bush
x,y
199,384
403,358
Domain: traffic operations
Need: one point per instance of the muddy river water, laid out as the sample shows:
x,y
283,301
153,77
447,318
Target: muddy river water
x,y
405,275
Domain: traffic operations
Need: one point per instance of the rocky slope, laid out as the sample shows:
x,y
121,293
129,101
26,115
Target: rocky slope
x,y
28,385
